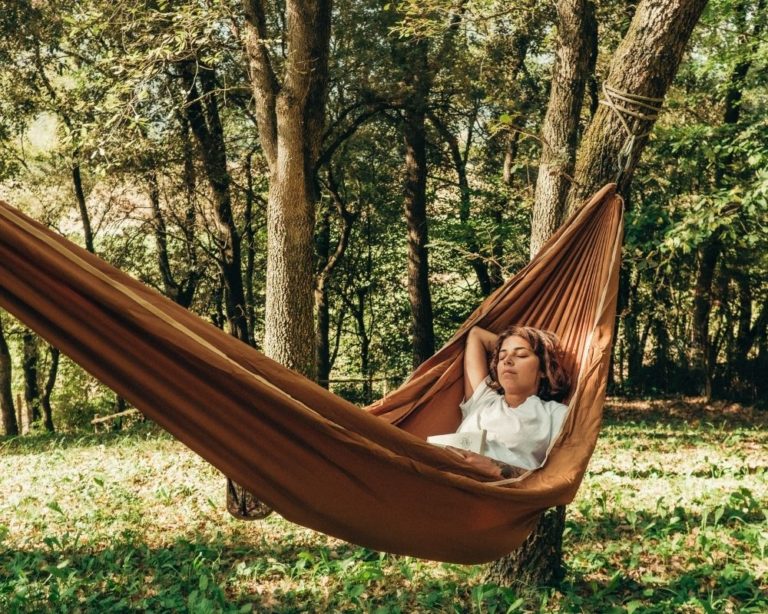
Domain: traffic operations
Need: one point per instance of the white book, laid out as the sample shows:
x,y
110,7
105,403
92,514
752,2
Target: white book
x,y
474,441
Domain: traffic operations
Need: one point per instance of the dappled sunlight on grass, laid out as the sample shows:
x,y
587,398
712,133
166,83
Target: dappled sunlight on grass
x,y
671,517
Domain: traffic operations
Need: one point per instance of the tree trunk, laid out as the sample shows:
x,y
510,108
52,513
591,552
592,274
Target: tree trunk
x,y
7,409
289,318
415,206
323,326
539,560
217,316
328,261
188,288
644,64
29,368
170,287
50,382
662,361
702,306
576,31
85,217
357,307
250,249
290,117
202,110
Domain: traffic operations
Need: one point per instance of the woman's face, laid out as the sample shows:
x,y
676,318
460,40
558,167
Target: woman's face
x,y
518,369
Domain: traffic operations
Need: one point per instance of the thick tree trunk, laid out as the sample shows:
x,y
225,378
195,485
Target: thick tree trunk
x,y
644,64
576,31
7,409
50,382
29,368
289,321
539,561
202,110
290,117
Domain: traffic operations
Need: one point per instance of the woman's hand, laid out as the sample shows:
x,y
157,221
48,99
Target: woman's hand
x,y
489,466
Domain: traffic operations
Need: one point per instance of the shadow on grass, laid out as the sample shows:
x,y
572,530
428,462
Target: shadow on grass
x,y
740,508
186,575
218,576
700,587
684,412
38,442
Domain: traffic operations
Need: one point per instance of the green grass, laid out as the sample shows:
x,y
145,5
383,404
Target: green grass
x,y
671,518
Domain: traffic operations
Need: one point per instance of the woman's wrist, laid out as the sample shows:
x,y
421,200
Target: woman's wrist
x,y
505,470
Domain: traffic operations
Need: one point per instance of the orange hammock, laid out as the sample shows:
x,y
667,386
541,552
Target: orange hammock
x,y
318,460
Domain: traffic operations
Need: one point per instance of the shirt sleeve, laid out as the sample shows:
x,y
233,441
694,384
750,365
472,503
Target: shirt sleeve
x,y
475,401
557,411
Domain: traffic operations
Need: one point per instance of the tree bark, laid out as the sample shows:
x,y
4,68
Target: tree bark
x,y
415,206
29,368
477,261
50,382
539,561
202,109
576,32
645,63
708,255
290,117
7,409
328,261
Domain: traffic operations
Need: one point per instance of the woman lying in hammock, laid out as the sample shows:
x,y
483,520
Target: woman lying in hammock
x,y
516,398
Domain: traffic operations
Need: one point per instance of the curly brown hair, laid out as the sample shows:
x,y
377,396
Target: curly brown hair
x,y
555,383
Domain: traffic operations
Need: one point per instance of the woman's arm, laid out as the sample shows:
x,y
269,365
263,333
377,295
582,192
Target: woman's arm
x,y
480,343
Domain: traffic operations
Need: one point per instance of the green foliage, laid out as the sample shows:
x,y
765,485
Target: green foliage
x,y
671,517
84,84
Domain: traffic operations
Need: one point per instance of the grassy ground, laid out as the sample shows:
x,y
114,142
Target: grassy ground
x,y
671,518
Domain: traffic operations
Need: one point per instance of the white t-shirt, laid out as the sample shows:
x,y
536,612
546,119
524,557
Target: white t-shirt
x,y
518,436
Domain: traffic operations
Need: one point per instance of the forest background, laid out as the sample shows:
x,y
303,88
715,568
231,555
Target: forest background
x,y
341,185
132,129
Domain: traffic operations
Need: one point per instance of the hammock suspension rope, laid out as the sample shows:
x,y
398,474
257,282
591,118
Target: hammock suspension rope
x,y
632,110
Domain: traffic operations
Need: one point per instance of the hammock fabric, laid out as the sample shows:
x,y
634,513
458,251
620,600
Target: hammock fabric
x,y
318,460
